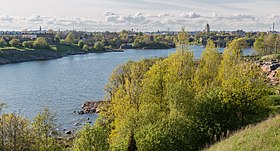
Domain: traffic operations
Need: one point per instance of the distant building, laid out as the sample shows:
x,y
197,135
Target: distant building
x,y
27,35
207,28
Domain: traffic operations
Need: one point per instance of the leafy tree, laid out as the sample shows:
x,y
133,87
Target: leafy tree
x,y
267,44
182,39
93,138
3,43
41,43
57,40
43,126
15,133
259,46
28,44
14,42
231,57
59,35
207,70
98,46
70,38
81,44
85,47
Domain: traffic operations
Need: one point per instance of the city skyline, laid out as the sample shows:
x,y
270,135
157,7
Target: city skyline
x,y
144,15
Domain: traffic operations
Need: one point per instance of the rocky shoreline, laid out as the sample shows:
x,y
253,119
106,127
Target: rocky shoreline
x,y
90,107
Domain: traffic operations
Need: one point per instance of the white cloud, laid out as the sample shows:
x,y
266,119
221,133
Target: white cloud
x,y
190,15
143,21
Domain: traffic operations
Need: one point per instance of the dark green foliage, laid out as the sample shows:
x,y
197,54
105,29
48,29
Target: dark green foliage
x,y
14,42
3,43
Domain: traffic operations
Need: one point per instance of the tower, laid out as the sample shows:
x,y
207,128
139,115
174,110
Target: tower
x,y
273,27
207,28
40,29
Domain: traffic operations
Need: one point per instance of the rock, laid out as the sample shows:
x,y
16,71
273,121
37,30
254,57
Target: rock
x,y
77,124
81,112
274,66
91,107
68,132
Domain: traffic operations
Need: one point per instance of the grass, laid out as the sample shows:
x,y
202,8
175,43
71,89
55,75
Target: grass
x,y
64,47
58,47
264,136
15,48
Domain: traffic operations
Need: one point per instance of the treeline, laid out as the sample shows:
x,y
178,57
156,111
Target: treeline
x,y
178,103
123,40
268,44
39,43
92,41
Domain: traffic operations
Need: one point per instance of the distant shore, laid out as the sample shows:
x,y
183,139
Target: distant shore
x,y
17,56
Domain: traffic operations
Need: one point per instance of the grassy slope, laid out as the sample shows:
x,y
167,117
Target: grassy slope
x,y
262,137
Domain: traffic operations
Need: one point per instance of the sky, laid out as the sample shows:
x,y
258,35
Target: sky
x,y
140,15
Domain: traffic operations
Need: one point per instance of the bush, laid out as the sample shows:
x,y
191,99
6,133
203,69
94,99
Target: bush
x,y
14,42
28,44
41,43
85,47
3,43
98,46
81,44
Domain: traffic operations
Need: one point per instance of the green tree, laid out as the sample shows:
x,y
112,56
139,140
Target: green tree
x,y
15,133
41,43
93,138
70,38
98,46
85,47
59,35
57,40
14,42
182,39
28,44
42,127
207,70
231,57
259,46
3,43
81,44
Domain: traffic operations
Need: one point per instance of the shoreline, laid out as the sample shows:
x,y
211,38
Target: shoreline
x,y
13,56
17,56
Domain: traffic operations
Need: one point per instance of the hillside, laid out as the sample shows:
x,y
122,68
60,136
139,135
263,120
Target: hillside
x,y
264,136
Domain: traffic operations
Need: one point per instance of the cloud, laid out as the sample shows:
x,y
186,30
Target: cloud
x,y
6,19
190,15
192,21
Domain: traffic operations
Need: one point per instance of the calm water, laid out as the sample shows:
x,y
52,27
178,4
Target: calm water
x,y
64,84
